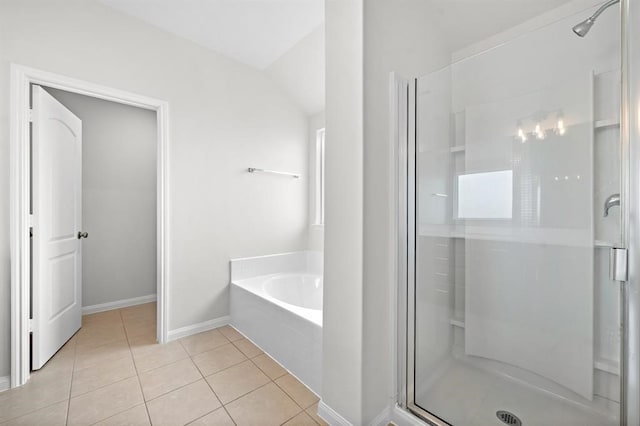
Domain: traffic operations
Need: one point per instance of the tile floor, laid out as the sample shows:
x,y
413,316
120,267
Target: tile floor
x,y
113,373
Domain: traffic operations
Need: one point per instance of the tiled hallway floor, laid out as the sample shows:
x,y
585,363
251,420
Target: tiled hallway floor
x,y
113,373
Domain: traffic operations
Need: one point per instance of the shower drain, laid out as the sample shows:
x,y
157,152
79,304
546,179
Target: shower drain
x,y
508,418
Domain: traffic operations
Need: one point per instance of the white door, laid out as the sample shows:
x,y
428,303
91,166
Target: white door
x,y
57,221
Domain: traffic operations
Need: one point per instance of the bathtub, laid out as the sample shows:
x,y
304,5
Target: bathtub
x,y
276,301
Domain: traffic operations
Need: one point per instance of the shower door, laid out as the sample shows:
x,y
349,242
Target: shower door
x,y
514,201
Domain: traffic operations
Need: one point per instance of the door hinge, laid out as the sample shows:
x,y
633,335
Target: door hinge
x,y
30,325
30,116
618,264
30,220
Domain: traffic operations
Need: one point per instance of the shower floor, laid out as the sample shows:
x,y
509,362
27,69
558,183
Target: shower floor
x,y
465,395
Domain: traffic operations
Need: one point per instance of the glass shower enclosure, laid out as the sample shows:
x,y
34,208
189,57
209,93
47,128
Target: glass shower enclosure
x,y
514,229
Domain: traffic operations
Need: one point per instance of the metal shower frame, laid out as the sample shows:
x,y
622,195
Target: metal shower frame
x,y
405,96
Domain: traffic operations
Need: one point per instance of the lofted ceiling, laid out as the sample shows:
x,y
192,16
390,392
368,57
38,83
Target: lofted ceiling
x,y
254,32
285,38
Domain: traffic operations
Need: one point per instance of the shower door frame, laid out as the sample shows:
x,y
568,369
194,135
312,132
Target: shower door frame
x,y
403,97
630,203
404,104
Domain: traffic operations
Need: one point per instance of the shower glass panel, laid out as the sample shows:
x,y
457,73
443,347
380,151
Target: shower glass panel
x,y
517,150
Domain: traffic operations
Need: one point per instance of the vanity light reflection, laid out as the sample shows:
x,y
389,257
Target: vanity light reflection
x,y
539,132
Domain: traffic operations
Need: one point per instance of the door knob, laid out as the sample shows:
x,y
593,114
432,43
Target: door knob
x,y
82,235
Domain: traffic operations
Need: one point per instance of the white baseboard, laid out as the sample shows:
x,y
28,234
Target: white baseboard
x,y
401,417
118,304
394,415
188,330
5,383
383,418
331,416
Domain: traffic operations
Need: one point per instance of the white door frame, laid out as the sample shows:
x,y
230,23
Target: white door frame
x,y
21,79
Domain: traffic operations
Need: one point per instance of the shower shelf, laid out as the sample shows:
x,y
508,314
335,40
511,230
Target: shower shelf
x,y
603,244
601,364
457,322
609,122
607,365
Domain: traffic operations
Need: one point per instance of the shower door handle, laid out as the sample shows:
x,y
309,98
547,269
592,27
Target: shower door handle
x,y
612,200
618,264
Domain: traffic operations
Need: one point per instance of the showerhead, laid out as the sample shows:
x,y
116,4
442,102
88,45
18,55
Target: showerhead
x,y
583,27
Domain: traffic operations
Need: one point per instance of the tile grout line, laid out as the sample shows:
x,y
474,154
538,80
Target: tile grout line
x,y
99,388
117,414
174,389
304,410
6,421
74,357
294,401
218,371
221,404
73,369
273,380
135,367
244,394
100,347
203,377
98,363
291,396
265,373
287,372
259,387
190,357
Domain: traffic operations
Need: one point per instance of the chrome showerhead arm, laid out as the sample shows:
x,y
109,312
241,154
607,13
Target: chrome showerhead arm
x,y
582,28
602,9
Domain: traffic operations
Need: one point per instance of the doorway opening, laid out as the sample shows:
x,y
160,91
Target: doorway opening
x,y
27,187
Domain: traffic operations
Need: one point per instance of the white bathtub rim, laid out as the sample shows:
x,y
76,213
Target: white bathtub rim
x,y
282,284
271,256
254,285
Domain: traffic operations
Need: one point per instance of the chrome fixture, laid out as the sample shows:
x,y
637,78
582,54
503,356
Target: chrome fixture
x,y
612,200
618,263
583,27
273,172
508,418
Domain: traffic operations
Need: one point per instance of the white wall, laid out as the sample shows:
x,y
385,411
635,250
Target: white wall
x,y
300,72
118,198
359,278
225,117
399,36
316,231
342,325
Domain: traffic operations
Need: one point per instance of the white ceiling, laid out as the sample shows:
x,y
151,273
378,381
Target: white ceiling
x,y
285,37
255,32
